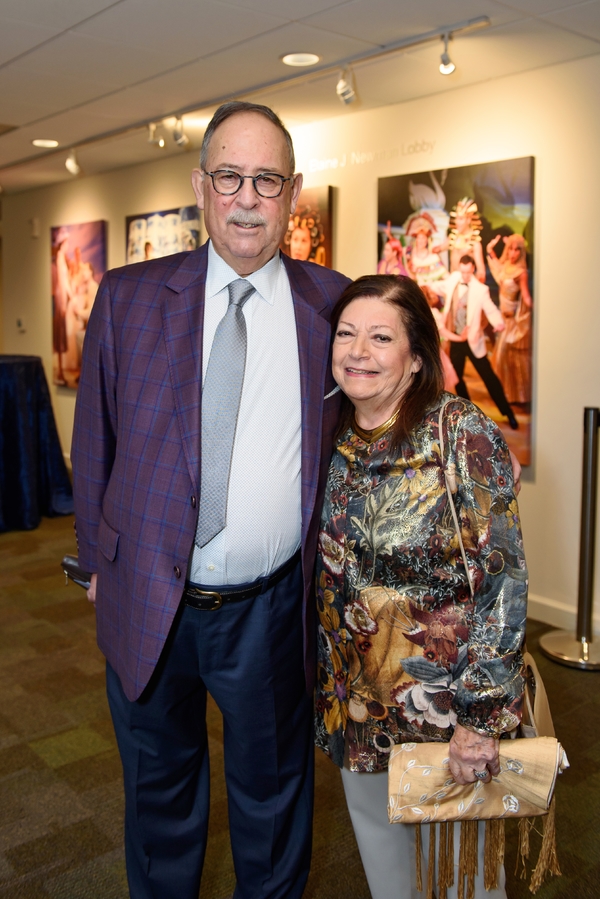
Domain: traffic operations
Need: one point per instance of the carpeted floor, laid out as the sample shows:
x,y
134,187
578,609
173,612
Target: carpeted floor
x,y
60,789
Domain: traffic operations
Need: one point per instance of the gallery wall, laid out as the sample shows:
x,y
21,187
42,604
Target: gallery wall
x,y
550,114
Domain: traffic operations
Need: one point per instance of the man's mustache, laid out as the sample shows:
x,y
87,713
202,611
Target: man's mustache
x,y
245,217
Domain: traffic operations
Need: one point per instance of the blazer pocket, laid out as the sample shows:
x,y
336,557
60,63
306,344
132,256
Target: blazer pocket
x,y
108,540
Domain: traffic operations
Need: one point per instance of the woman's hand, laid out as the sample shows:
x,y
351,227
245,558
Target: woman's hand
x,y
470,753
490,247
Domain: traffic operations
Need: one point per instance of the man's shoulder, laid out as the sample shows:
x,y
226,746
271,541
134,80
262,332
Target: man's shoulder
x,y
323,278
158,271
479,289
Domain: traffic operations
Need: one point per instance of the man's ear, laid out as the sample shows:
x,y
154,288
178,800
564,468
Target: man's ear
x,y
296,188
198,185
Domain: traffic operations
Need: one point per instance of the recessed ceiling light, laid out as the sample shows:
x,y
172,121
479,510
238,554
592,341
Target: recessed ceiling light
x,y
43,142
300,59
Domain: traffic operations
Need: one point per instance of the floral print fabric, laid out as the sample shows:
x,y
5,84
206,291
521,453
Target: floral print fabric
x,y
404,651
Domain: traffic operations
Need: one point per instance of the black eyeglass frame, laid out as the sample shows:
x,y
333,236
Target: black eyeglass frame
x,y
253,178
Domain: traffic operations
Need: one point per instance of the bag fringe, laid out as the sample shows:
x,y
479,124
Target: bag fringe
x,y
419,856
493,857
431,863
467,859
547,860
494,852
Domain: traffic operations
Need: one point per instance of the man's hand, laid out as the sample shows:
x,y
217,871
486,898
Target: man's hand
x,y
499,327
91,592
469,753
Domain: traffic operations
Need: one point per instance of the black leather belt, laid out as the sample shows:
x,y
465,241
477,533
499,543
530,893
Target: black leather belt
x,y
206,599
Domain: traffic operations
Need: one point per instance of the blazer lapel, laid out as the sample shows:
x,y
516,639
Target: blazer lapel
x,y
182,311
313,349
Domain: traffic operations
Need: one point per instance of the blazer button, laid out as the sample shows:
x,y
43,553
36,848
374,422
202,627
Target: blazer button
x,y
177,571
193,501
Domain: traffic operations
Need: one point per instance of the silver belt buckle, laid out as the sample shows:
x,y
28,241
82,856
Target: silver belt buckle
x,y
218,599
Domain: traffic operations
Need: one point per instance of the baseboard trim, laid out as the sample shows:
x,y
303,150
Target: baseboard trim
x,y
559,614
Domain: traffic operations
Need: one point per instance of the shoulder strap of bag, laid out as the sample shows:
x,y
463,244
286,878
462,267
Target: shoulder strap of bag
x,y
537,707
450,481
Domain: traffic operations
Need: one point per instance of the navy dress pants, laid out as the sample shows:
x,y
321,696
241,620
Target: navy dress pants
x,y
248,655
459,352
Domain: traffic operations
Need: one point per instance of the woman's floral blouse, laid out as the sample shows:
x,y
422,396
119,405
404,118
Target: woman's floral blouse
x,y
404,651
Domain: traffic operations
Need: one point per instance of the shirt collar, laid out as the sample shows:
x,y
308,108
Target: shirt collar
x,y
220,274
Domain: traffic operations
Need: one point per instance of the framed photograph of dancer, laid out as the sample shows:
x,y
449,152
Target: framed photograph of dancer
x,y
309,231
78,254
154,234
466,235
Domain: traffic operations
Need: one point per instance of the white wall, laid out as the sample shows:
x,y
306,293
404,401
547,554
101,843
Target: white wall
x,y
549,113
27,286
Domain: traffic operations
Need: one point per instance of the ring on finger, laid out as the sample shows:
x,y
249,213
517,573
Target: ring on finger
x,y
481,775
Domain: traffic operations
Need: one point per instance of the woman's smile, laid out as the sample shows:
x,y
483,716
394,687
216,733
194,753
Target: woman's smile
x,y
372,360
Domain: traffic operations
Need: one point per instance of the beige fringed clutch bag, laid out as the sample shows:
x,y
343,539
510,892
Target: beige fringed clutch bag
x,y
421,789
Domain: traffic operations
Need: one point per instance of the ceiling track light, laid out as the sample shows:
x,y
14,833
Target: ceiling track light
x,y
446,64
71,164
157,141
179,135
345,87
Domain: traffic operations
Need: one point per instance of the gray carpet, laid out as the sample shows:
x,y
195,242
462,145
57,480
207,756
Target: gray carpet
x,y
60,778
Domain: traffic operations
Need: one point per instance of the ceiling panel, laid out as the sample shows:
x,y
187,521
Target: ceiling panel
x,y
57,14
73,54
539,7
387,21
18,37
294,10
203,27
55,90
518,46
583,19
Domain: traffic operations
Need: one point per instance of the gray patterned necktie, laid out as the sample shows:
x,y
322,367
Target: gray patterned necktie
x,y
220,406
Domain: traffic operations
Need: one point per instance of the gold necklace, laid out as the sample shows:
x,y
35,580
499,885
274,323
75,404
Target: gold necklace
x,y
374,435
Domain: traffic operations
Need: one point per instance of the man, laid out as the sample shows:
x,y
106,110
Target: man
x,y
164,486
466,300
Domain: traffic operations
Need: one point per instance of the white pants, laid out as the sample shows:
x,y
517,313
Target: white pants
x,y
387,851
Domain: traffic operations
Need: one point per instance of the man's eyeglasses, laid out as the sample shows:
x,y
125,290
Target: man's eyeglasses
x,y
267,184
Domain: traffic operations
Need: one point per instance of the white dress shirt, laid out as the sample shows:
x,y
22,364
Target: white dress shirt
x,y
264,498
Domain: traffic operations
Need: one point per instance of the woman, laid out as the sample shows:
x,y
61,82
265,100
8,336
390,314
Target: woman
x,y
405,654
425,266
391,261
300,243
512,351
391,258
305,237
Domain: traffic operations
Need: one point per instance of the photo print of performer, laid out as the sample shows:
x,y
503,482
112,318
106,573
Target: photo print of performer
x,y
511,357
467,300
78,261
464,237
474,210
305,237
391,262
423,264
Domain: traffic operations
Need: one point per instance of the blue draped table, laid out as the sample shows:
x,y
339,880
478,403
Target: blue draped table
x,y
33,476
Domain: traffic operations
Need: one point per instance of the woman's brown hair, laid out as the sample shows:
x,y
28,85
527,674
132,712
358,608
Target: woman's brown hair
x,y
423,337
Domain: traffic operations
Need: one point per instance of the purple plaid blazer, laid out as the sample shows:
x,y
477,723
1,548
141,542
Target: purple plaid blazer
x,y
136,446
